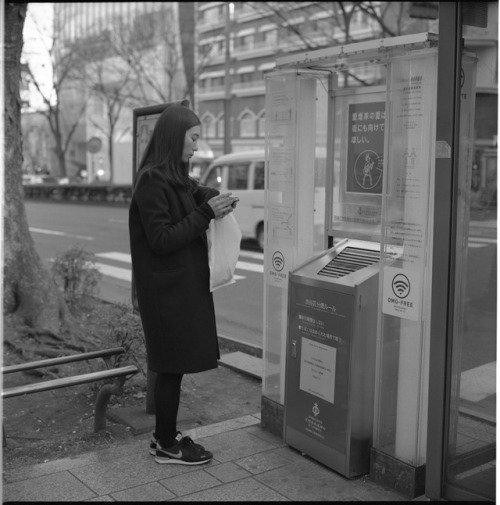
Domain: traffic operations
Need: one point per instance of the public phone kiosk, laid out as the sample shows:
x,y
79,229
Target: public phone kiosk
x,y
350,150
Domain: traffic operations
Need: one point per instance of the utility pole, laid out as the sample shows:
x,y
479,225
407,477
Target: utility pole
x,y
227,80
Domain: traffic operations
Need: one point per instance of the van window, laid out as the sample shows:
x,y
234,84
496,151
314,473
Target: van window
x,y
258,178
238,176
214,177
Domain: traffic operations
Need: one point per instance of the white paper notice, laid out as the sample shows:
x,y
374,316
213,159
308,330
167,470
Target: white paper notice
x,y
317,369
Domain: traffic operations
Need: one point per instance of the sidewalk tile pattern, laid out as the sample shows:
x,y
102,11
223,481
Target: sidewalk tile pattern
x,y
249,464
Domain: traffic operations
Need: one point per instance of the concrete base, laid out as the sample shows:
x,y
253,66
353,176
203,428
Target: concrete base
x,y
272,416
395,474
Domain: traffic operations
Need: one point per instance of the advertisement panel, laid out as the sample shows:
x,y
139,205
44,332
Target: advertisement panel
x,y
365,151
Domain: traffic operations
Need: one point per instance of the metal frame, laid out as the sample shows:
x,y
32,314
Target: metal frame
x,y
445,227
354,49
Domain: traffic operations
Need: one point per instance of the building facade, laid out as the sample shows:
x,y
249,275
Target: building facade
x,y
220,67
132,55
238,42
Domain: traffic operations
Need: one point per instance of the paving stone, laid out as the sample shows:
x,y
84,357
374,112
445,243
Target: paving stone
x,y
102,498
309,481
228,472
234,445
40,469
190,482
262,462
60,486
241,490
153,491
125,473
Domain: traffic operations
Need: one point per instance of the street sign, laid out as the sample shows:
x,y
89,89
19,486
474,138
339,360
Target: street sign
x,y
94,145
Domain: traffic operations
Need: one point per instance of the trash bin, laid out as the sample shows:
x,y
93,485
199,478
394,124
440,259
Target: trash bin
x,y
330,361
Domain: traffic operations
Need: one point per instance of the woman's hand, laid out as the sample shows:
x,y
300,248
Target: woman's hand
x,y
222,205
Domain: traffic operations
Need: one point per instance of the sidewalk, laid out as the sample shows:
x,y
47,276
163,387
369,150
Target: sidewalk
x,y
249,464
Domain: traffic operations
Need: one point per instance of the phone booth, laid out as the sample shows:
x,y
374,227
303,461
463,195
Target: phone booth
x,y
350,152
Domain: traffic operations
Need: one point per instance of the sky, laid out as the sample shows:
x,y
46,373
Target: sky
x,y
37,40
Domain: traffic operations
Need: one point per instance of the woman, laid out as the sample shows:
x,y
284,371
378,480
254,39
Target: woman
x,y
168,218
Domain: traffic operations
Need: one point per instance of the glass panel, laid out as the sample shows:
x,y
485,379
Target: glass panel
x,y
296,107
470,465
405,274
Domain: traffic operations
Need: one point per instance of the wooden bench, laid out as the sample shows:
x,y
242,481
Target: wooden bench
x,y
119,375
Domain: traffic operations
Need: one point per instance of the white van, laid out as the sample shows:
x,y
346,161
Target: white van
x,y
242,174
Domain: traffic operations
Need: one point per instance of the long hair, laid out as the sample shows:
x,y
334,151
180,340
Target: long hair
x,y
165,147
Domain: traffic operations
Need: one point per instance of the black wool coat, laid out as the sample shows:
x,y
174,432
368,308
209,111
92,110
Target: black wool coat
x,y
168,245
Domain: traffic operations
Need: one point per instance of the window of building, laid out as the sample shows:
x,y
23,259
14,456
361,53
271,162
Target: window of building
x,y
244,41
261,120
271,36
220,127
208,127
217,81
260,37
238,176
247,125
246,77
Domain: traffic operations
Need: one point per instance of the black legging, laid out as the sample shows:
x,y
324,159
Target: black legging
x,y
167,396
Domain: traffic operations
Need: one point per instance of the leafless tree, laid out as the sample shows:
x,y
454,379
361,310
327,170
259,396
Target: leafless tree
x,y
161,53
328,24
66,71
112,86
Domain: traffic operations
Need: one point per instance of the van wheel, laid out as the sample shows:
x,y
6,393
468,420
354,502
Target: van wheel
x,y
260,236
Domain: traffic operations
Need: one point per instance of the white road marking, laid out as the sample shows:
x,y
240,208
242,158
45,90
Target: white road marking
x,y
124,274
251,267
252,254
478,383
60,233
117,256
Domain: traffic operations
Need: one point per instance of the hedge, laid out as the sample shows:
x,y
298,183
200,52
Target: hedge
x,y
114,194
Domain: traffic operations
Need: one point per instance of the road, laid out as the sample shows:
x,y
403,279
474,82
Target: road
x,y
103,230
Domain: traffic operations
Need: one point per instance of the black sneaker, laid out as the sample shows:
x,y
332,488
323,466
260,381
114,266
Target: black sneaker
x,y
153,444
183,452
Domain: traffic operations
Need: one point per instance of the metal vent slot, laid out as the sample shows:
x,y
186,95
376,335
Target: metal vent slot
x,y
349,260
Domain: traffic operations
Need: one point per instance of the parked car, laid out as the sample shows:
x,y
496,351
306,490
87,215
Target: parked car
x,y
243,175
32,179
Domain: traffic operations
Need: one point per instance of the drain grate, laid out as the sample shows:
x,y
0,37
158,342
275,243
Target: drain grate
x,y
348,261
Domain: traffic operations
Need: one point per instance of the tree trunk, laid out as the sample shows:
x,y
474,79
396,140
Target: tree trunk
x,y
30,294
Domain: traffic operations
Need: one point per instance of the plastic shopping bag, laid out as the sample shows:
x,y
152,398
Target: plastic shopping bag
x,y
224,238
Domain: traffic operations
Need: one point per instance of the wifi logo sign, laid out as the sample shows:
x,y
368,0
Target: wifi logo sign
x,y
278,261
401,286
